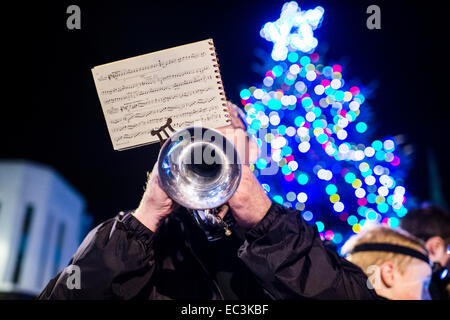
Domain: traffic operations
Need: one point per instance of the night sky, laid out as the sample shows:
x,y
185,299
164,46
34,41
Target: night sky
x,y
51,113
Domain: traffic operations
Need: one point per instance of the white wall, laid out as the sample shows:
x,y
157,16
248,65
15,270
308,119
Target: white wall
x,y
54,203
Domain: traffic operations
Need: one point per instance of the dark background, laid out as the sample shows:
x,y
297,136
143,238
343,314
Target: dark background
x,y
51,113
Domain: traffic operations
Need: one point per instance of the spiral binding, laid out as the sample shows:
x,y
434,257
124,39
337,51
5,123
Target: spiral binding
x,y
219,82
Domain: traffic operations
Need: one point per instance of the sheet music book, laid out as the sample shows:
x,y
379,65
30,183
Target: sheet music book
x,y
138,95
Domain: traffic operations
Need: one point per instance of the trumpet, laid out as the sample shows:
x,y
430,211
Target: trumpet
x,y
200,170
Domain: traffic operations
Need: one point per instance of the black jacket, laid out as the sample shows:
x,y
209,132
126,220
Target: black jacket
x,y
282,257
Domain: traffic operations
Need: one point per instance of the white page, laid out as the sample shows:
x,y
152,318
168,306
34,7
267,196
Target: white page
x,y
139,94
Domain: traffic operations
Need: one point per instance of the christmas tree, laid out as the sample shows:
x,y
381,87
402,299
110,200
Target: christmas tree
x,y
313,128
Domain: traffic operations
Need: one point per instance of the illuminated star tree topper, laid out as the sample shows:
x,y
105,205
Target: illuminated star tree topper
x,y
293,29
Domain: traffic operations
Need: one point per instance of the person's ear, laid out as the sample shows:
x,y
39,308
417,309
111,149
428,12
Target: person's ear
x,y
436,248
387,274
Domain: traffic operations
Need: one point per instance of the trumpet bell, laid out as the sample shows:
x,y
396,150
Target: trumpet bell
x,y
199,168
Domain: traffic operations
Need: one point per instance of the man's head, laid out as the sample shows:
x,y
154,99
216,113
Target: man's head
x,y
393,275
432,225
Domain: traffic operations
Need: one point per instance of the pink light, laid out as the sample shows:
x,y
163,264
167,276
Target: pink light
x,y
395,161
289,158
337,68
314,57
329,235
325,83
289,177
354,90
362,202
270,74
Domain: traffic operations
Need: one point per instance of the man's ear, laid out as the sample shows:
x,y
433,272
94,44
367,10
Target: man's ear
x,y
387,273
436,247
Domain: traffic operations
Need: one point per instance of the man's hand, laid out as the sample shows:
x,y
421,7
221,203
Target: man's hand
x,y
155,204
250,203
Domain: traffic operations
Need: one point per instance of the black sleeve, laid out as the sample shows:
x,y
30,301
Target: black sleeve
x,y
115,261
287,257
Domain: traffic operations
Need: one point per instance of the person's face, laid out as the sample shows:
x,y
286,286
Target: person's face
x,y
413,283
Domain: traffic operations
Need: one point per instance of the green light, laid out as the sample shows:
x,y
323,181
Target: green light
x,y
302,178
274,104
305,60
282,129
371,198
339,95
362,211
286,150
377,145
285,170
361,127
317,111
278,199
360,97
382,207
299,120
292,57
331,189
393,222
352,220
350,177
322,138
372,215
261,163
307,102
318,124
320,226
277,70
289,82
380,155
245,94
256,124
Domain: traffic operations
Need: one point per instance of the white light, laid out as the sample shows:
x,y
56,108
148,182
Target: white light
x,y
360,193
293,99
302,132
304,146
300,86
302,197
342,134
268,81
294,69
294,28
310,116
378,170
399,190
338,206
275,120
290,131
276,155
342,122
279,142
335,83
370,180
258,93
311,75
285,100
354,105
293,165
319,89
344,148
369,152
383,191
388,145
358,155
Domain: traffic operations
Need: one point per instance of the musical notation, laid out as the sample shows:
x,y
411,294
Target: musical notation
x,y
139,95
